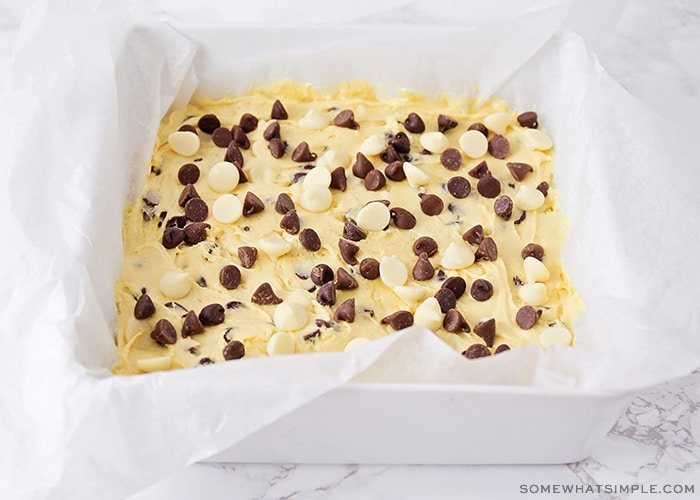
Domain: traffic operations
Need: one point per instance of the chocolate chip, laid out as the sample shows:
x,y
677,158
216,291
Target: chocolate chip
x,y
283,204
179,308
188,192
476,351
423,270
369,268
425,244
252,204
272,131
543,187
487,250
164,332
233,154
248,256
454,322
196,210
527,316
399,320
446,123
312,335
519,170
459,187
188,174
326,294
290,222
302,153
532,250
414,123
240,137
503,206
451,159
345,280
221,137
233,304
374,180
309,240
401,143
348,251
212,314
278,112
191,325
474,235
353,232
208,123
346,119
390,155
480,170
394,171
321,273
499,147
481,290
144,307
362,166
520,218
431,204
264,295
346,311
528,119
242,178
248,122
446,298
502,348
187,128
480,127
206,361
403,219
456,284
196,232
234,350
172,237
201,281
230,277
338,179
488,186
486,330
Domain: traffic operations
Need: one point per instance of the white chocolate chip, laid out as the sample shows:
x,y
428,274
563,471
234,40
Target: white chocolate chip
x,y
260,149
473,143
555,335
281,343
355,343
374,216
317,176
410,294
535,270
175,284
528,198
290,316
497,122
534,294
314,119
414,175
457,256
332,159
316,199
154,364
392,271
428,314
435,142
223,177
274,246
227,208
537,139
373,145
184,143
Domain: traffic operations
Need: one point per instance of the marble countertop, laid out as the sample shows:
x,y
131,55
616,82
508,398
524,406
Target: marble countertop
x,y
655,445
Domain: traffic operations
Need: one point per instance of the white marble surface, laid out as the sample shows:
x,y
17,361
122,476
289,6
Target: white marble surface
x,y
653,52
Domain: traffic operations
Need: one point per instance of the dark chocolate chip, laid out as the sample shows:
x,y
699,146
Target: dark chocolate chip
x,y
362,166
503,206
474,234
480,127
456,284
401,143
403,219
543,187
520,218
527,316
414,123
321,273
369,268
423,270
206,361
454,322
230,277
374,180
499,147
338,179
431,204
302,153
446,123
242,178
212,314
394,171
519,170
188,192
188,174
390,155
252,204
451,159
312,335
488,186
425,244
326,294
309,240
459,187
248,122
480,170
476,351
264,295
248,256
221,137
144,307
481,290
345,311
191,325
164,332
179,308
233,304
272,131
201,281
346,119
196,210
399,320
172,237
345,280
290,222
187,128
528,119
196,232
278,112
234,350
487,250
283,204
240,137
208,123
486,330
348,251
446,298
233,154
532,250
502,348
353,232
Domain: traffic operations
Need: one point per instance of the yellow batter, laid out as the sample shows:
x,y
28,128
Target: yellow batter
x,y
230,305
